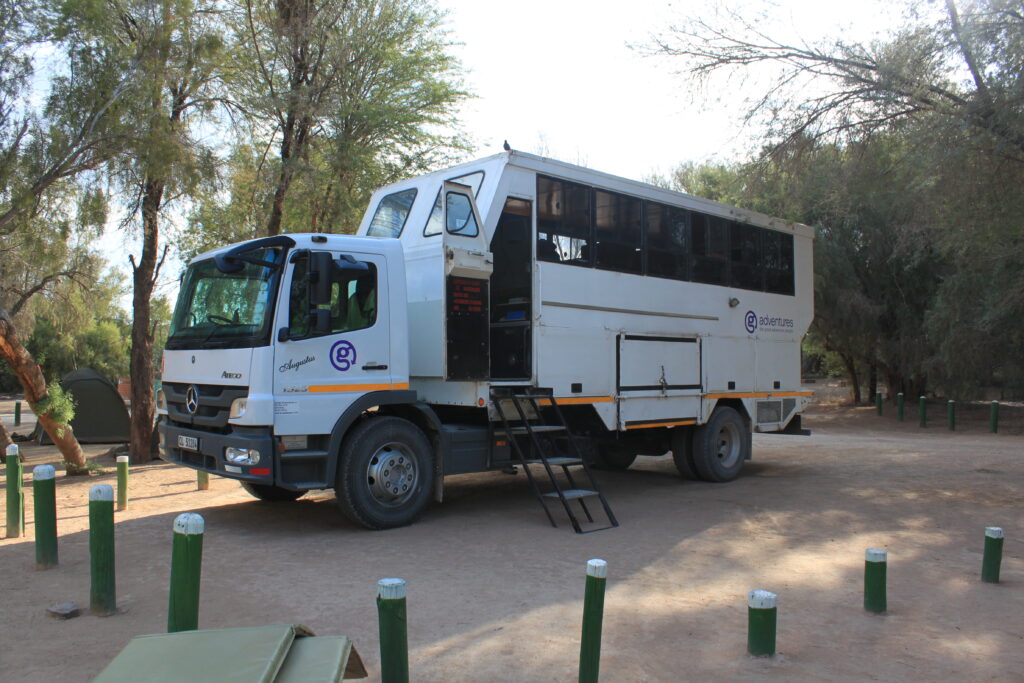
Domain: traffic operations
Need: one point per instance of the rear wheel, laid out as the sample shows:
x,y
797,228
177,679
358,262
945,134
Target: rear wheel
x,y
385,473
721,446
682,452
271,494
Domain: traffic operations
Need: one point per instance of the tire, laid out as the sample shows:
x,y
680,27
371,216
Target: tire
x,y
271,494
613,458
721,446
385,473
682,452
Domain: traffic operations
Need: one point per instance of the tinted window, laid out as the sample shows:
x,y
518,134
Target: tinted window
x,y
563,222
667,235
745,256
393,210
617,227
459,215
710,240
353,300
778,262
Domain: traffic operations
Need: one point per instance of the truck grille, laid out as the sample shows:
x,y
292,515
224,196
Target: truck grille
x,y
213,405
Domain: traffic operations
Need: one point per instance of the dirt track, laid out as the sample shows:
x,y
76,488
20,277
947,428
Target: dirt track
x,y
495,593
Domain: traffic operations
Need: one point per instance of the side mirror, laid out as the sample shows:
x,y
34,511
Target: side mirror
x,y
320,265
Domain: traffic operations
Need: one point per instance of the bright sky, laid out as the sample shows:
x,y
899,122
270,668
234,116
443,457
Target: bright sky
x,y
558,77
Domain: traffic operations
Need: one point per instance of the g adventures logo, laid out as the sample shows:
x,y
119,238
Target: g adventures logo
x,y
752,322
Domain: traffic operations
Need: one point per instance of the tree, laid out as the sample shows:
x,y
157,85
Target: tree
x,y
176,48
339,97
858,88
41,152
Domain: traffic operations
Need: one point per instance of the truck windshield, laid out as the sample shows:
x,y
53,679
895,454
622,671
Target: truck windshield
x,y
218,309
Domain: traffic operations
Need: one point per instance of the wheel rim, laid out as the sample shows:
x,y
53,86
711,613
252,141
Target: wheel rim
x,y
727,445
392,474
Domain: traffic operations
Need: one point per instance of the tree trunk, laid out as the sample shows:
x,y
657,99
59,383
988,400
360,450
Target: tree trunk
x,y
5,441
144,279
851,373
24,367
872,381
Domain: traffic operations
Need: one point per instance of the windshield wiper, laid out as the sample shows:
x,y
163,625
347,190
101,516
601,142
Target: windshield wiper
x,y
220,326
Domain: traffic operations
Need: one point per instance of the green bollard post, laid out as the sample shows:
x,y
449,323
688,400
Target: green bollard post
x,y
102,594
202,480
993,554
762,620
875,564
393,629
593,616
17,413
951,414
993,417
122,482
186,565
922,411
44,501
878,402
899,406
15,493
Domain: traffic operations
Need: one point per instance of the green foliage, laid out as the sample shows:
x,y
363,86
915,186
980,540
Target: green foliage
x,y
372,112
58,405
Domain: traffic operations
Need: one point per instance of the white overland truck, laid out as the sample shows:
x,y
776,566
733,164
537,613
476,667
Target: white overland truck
x,y
510,311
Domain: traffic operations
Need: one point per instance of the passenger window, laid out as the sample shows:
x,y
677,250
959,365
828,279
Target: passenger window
x,y
745,256
391,214
473,180
353,301
617,223
667,246
459,215
778,262
710,241
433,226
563,222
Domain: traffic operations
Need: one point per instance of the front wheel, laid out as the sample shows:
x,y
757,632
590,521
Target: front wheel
x,y
721,446
385,473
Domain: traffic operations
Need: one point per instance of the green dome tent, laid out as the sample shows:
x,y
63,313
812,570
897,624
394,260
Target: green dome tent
x,y
100,413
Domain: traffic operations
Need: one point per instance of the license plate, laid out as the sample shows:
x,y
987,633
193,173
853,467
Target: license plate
x,y
190,443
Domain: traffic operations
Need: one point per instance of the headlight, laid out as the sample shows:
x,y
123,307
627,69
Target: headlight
x,y
161,401
241,456
238,407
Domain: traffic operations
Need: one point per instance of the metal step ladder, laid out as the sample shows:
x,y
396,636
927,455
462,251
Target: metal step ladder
x,y
525,425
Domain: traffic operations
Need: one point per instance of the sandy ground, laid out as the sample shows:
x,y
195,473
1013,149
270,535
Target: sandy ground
x,y
495,593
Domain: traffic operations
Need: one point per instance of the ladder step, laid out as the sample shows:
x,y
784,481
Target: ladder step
x,y
558,460
536,429
572,494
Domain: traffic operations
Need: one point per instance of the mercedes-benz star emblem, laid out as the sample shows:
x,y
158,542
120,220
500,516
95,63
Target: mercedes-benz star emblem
x,y
192,399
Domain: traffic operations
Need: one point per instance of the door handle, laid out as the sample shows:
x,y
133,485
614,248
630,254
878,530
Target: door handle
x,y
371,366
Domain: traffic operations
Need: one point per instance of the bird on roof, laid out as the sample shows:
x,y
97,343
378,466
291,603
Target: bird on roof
x,y
507,147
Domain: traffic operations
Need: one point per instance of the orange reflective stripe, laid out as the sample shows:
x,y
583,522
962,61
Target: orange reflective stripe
x,y
576,400
668,423
323,388
763,394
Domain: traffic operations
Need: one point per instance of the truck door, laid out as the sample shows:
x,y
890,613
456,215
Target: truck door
x,y
467,271
319,373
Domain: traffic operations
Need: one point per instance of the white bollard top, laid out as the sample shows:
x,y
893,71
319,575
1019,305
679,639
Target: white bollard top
x,y
391,589
876,555
42,472
762,599
12,450
189,524
994,531
101,492
122,458
597,568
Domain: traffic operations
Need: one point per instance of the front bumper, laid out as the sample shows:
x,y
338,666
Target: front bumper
x,y
209,456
